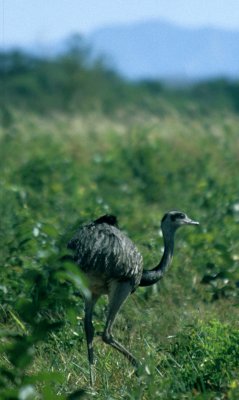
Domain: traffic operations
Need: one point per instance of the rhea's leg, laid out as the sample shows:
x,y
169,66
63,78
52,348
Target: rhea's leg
x,y
118,295
89,331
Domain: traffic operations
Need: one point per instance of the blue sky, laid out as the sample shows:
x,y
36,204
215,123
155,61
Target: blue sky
x,y
28,21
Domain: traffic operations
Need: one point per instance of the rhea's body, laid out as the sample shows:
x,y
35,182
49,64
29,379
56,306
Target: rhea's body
x,y
107,256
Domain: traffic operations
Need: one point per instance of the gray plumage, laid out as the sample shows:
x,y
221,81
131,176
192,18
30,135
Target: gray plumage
x,y
107,253
114,266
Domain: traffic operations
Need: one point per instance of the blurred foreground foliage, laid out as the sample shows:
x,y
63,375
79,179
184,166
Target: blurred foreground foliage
x,y
135,150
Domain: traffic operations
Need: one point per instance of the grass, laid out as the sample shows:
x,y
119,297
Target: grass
x,y
61,170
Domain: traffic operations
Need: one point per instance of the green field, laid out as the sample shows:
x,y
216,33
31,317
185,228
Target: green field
x,y
60,168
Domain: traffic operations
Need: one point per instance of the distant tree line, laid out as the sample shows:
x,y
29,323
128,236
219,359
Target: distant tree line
x,y
74,81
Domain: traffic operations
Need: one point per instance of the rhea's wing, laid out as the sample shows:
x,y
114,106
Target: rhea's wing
x,y
104,249
104,219
108,219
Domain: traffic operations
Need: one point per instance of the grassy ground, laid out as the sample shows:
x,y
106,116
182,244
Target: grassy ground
x,y
62,170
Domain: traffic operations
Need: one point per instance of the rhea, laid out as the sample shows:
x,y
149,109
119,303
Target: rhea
x,y
114,266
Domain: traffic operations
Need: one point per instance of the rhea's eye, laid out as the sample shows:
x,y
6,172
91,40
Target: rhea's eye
x,y
177,216
180,215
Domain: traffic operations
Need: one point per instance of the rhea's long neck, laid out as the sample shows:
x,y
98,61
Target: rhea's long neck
x,y
149,277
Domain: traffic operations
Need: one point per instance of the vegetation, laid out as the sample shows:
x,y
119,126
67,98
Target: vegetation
x,y
74,81
95,144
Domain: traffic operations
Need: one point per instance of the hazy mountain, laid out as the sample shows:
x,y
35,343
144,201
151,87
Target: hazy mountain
x,y
157,49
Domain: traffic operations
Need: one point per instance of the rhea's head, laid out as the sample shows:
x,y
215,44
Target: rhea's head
x,y
174,219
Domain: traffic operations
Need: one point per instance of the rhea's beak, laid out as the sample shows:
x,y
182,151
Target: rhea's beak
x,y
191,222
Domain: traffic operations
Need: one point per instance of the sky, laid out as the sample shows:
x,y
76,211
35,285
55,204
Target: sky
x,y
43,21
